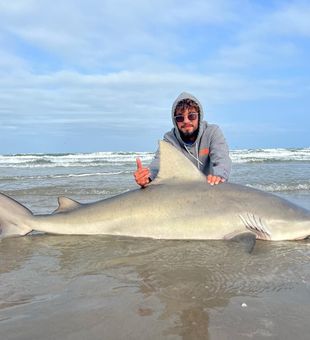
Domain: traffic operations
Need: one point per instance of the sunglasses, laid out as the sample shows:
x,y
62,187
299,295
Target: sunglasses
x,y
190,116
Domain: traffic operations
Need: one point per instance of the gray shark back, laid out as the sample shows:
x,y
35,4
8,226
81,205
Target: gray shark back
x,y
178,204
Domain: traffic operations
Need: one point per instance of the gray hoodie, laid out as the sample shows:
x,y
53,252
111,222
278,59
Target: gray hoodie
x,y
209,152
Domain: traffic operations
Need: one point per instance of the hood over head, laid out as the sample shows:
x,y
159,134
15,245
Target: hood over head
x,y
186,95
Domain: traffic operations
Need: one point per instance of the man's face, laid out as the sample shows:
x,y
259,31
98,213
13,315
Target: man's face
x,y
188,126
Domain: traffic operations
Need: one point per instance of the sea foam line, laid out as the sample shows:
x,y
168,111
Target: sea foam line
x,y
118,158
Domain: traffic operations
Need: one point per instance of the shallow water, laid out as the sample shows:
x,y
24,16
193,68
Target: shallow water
x,y
86,287
78,287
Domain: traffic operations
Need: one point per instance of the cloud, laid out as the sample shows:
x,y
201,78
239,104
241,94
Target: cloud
x,y
108,34
124,100
271,39
290,20
120,64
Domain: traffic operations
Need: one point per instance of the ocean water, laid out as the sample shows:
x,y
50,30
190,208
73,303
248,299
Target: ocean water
x,y
78,287
38,179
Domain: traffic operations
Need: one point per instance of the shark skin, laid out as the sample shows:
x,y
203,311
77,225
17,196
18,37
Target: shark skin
x,y
178,204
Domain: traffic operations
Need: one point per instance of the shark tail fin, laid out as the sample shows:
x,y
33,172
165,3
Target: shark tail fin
x,y
14,218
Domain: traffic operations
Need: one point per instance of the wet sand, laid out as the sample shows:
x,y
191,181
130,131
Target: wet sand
x,y
82,287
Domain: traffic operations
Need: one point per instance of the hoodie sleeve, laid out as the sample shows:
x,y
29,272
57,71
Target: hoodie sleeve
x,y
219,155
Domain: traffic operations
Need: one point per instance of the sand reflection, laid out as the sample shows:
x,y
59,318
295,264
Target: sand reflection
x,y
129,288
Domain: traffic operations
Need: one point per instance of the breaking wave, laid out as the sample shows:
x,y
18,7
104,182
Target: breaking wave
x,y
121,158
270,155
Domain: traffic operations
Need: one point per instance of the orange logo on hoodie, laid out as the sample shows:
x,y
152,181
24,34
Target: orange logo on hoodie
x,y
204,152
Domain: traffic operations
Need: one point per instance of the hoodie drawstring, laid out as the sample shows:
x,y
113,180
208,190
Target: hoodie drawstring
x,y
199,162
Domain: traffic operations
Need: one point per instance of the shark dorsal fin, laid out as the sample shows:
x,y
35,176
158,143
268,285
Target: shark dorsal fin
x,y
173,165
66,204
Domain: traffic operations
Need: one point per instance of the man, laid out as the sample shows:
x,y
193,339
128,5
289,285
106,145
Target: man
x,y
202,143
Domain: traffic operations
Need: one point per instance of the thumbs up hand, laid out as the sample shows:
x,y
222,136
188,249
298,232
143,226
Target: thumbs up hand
x,y
142,175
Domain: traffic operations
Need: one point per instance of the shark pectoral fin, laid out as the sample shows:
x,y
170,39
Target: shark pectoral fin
x,y
66,204
247,238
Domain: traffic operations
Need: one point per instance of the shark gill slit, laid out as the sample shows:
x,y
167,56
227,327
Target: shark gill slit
x,y
256,225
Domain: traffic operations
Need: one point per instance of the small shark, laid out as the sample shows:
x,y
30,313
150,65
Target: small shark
x,y
178,204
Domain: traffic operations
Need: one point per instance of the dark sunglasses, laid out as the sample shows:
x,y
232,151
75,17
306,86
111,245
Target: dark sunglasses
x,y
190,116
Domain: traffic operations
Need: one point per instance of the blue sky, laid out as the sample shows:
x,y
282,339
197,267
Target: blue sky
x,y
85,76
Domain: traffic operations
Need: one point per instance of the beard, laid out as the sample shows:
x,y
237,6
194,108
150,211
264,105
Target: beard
x,y
189,136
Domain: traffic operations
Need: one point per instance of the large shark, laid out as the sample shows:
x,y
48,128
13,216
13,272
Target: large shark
x,y
178,204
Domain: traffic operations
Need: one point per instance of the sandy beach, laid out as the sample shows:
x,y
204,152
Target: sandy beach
x,y
82,287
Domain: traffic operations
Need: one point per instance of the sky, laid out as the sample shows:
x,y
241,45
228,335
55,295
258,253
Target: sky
x,y
101,75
